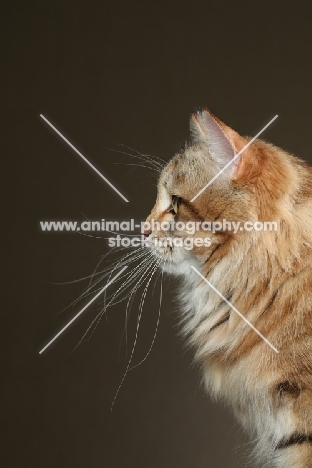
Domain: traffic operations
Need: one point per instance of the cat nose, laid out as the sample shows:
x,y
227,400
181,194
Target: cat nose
x,y
146,233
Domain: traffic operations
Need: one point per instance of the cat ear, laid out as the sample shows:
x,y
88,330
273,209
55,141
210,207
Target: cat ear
x,y
222,141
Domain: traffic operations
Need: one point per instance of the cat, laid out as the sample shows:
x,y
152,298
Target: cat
x,y
265,275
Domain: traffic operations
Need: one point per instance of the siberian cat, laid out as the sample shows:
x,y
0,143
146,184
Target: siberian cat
x,y
265,275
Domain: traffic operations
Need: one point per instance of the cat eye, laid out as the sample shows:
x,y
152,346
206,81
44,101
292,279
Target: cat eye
x,y
175,203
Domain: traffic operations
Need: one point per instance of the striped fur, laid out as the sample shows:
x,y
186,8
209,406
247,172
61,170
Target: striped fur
x,y
265,275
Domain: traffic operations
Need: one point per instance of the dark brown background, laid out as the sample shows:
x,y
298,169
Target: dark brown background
x,y
107,73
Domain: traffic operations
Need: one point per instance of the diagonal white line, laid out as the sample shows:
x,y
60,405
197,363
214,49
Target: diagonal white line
x,y
235,310
83,309
84,158
235,157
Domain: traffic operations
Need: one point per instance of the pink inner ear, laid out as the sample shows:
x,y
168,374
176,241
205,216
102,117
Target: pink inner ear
x,y
237,166
206,129
223,142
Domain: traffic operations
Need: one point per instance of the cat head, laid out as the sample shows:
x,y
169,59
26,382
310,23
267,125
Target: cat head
x,y
218,177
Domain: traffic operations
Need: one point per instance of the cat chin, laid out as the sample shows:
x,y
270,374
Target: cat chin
x,y
172,259
171,268
179,265
177,261
177,269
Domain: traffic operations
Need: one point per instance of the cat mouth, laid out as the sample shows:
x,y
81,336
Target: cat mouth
x,y
164,253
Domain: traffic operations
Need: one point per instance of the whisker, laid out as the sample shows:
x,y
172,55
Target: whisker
x,y
107,271
145,158
130,279
159,161
129,258
105,238
140,252
156,264
113,250
144,265
139,165
129,305
157,325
